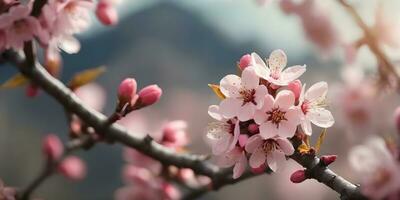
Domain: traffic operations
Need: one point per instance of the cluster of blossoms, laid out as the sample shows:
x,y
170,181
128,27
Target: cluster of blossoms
x,y
146,178
261,110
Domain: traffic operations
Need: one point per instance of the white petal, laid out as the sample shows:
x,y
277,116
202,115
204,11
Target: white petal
x,y
260,67
276,160
292,73
229,107
230,85
70,44
214,112
236,134
284,100
316,91
306,126
230,158
253,143
268,130
285,145
250,80
246,112
277,61
259,98
257,158
287,129
321,117
260,117
240,166
221,145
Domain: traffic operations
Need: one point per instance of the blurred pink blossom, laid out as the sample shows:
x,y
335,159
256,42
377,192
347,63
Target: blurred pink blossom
x,y
73,168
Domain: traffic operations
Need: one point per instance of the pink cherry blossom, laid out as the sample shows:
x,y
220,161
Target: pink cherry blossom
x,y
313,103
93,95
18,26
273,150
174,134
274,72
279,116
377,167
223,134
243,95
237,158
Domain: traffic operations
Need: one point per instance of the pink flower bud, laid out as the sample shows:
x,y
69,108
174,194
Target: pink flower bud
x,y
73,168
174,133
253,128
397,118
52,147
245,61
298,176
259,170
106,13
295,87
243,140
171,192
127,91
328,159
150,95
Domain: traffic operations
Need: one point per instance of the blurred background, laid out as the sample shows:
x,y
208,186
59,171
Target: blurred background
x,y
182,46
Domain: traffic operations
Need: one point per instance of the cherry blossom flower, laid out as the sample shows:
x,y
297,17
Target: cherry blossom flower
x,y
273,150
279,116
377,167
18,26
243,95
223,134
237,158
313,103
274,72
174,134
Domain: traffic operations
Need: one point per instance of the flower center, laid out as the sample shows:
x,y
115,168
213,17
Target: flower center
x,y
20,26
276,116
269,146
248,96
305,107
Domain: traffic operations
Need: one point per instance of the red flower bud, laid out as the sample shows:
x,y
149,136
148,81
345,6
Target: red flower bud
x,y
150,95
127,91
245,61
106,13
73,168
298,176
295,87
328,159
253,128
52,147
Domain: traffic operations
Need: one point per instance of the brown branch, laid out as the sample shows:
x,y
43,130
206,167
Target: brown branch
x,y
220,177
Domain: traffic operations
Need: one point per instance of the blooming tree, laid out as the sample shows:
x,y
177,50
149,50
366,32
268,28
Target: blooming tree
x,y
265,116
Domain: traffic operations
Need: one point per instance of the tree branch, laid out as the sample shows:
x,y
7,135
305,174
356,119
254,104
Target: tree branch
x,y
220,177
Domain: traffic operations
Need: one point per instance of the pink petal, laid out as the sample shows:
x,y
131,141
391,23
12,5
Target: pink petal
x,y
246,112
261,91
317,90
321,117
260,117
285,145
277,61
214,112
243,140
284,100
294,115
250,80
229,107
257,158
240,166
287,129
230,85
220,146
253,143
259,66
292,73
229,158
276,160
236,134
257,60
306,126
268,130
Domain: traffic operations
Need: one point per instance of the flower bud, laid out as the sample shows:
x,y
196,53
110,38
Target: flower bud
x,y
253,128
174,133
150,95
106,13
243,140
328,159
259,170
170,191
397,118
127,91
245,61
52,147
73,168
298,176
295,87
32,90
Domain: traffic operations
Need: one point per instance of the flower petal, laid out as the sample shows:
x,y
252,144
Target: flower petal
x,y
268,130
306,126
260,67
246,112
260,117
70,44
321,117
284,99
230,85
250,80
292,73
316,91
230,158
276,160
257,158
277,61
253,143
229,107
240,166
285,145
221,146
214,112
236,134
259,98
287,129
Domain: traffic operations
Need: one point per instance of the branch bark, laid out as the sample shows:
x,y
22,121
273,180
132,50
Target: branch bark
x,y
199,164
